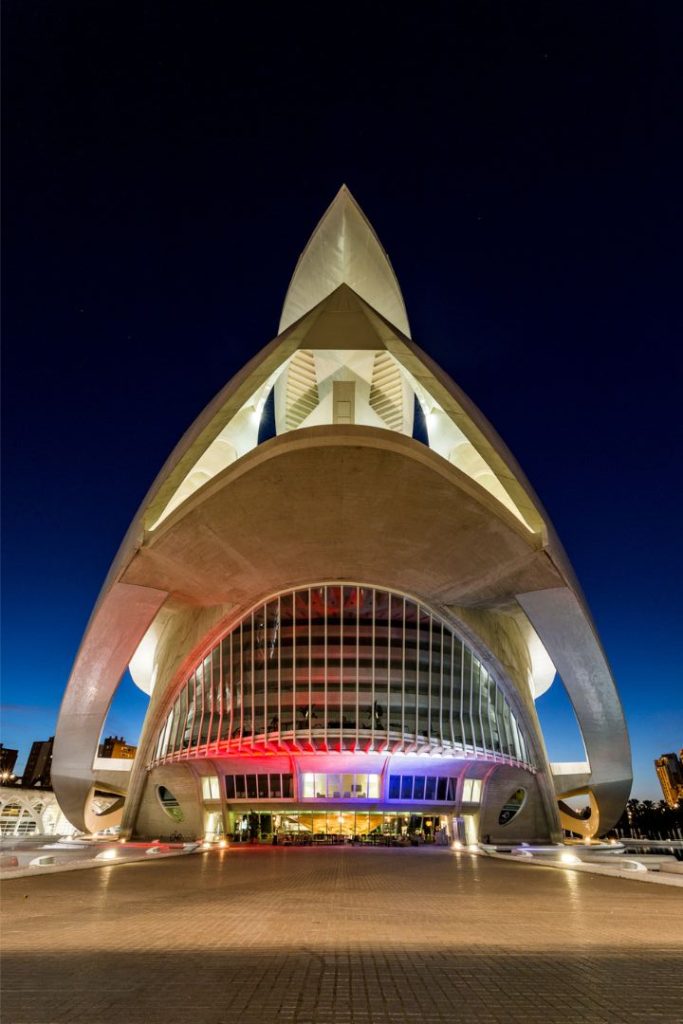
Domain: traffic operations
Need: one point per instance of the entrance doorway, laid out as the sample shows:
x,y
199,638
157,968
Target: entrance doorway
x,y
466,829
333,826
213,830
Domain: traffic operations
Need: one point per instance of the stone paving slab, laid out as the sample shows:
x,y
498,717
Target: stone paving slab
x,y
339,936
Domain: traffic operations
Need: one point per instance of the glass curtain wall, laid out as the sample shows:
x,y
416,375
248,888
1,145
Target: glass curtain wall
x,y
313,827
339,667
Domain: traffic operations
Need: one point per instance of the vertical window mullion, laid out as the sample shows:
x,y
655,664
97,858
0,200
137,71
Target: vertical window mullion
x,y
518,743
265,676
372,674
461,702
178,741
192,697
294,629
478,675
523,745
252,673
357,666
206,698
189,714
390,610
171,729
219,730
157,745
176,718
192,703
480,687
199,702
231,684
491,715
182,718
452,690
515,743
310,669
500,723
508,728
403,678
325,709
474,732
429,682
341,668
241,686
417,674
191,710
166,735
279,668
441,690
205,709
212,699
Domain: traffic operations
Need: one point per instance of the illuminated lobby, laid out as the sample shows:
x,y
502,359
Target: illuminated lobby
x,y
343,622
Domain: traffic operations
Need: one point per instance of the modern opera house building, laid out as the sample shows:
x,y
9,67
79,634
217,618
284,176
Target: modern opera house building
x,y
342,628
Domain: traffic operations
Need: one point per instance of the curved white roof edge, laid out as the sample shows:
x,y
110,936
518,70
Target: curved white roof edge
x,y
228,427
344,249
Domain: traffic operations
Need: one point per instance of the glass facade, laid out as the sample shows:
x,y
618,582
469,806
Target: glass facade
x,y
328,827
211,788
471,791
341,667
421,788
259,787
316,786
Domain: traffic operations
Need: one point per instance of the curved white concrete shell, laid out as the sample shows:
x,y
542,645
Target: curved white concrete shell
x,y
344,502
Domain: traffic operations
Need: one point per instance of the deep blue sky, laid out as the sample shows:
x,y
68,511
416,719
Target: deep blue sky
x,y
164,165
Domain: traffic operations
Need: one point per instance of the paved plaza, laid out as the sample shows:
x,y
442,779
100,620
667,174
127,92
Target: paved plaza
x,y
339,935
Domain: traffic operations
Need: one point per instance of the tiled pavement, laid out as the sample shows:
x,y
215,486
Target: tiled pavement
x,y
338,935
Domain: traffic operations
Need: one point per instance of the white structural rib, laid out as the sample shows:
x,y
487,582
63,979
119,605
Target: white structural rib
x,y
386,391
302,388
344,249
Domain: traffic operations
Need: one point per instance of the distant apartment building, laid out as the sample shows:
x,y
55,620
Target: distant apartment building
x,y
670,774
8,759
116,746
38,770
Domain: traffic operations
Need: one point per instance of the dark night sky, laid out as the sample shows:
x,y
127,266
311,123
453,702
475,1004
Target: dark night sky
x,y
164,165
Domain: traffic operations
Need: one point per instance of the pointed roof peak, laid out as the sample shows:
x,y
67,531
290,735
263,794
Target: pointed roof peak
x,y
344,249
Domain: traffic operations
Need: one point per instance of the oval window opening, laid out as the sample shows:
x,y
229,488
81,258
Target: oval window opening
x,y
169,803
512,807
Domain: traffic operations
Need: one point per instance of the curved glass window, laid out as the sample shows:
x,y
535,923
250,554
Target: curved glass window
x,y
512,807
169,803
341,667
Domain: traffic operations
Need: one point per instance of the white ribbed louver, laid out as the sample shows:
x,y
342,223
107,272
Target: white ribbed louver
x,y
302,388
386,391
